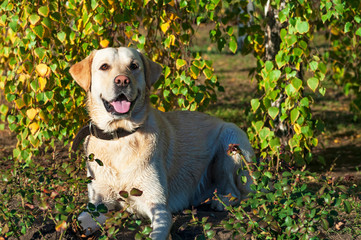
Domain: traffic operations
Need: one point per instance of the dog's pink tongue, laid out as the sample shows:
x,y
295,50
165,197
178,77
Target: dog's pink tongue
x,y
122,106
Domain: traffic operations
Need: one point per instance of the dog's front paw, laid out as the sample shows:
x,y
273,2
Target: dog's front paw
x,y
90,225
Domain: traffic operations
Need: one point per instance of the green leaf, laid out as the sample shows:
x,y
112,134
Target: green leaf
x,y
91,207
291,39
290,90
183,4
147,230
102,208
297,52
347,206
282,16
39,31
40,53
274,75
258,125
180,102
273,112
288,221
357,18
124,194
313,65
280,59
304,102
358,32
322,90
61,36
4,109
255,104
233,45
325,224
264,133
180,63
295,113
136,192
302,26
34,19
313,83
208,73
100,163
55,16
269,66
296,83
49,95
268,174
43,11
347,27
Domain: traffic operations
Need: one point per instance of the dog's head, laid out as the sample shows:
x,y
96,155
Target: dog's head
x,y
117,81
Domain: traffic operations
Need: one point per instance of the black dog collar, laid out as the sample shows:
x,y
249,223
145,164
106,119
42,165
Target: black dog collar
x,y
93,130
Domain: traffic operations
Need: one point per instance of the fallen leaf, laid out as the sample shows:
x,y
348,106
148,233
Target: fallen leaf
x,y
339,226
62,226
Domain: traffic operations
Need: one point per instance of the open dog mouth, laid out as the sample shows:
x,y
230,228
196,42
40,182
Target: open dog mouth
x,y
121,105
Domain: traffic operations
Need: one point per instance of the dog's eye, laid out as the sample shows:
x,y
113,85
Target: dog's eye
x,y
104,67
133,66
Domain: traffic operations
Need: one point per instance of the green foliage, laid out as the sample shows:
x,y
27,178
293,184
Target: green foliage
x,y
40,40
284,205
343,25
282,121
31,192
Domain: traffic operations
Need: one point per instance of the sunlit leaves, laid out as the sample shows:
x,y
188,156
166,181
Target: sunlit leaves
x,y
43,70
43,11
31,113
313,83
273,112
34,19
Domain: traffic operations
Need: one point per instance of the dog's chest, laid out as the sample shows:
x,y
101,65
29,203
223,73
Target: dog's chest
x,y
119,158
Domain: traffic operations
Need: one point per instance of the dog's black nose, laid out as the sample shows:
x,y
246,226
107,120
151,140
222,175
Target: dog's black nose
x,y
121,81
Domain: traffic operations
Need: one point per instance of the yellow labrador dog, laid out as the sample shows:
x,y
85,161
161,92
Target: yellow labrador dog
x,y
176,159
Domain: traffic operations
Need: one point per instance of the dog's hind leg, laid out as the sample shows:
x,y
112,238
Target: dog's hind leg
x,y
229,167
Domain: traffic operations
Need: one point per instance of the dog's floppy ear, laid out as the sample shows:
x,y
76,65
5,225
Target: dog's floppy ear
x,y
152,70
81,71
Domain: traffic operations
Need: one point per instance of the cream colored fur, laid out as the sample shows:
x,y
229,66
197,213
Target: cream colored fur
x,y
176,159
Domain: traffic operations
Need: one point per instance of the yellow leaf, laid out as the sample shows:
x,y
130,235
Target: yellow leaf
x,y
42,83
172,39
129,34
164,26
43,70
172,16
104,43
62,226
31,113
335,31
160,108
297,128
172,3
34,127
22,78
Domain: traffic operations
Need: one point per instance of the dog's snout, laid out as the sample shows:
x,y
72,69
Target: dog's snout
x,y
122,81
